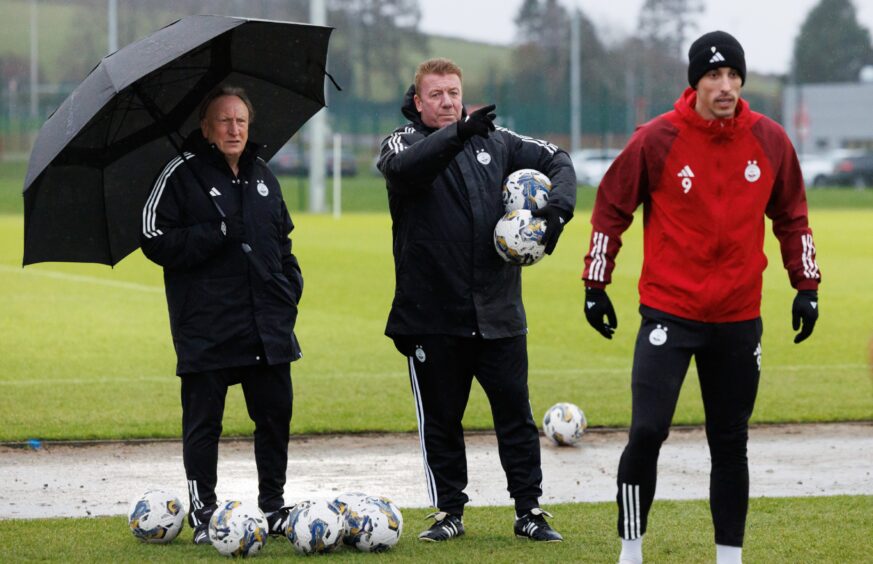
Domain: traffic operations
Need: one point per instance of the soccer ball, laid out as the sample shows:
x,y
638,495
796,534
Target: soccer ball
x,y
238,528
526,189
349,504
517,238
156,517
379,525
314,526
564,424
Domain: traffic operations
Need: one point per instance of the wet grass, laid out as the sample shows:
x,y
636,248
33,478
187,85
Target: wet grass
x,y
821,530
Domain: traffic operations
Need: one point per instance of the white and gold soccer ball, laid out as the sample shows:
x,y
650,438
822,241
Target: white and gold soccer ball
x,y
518,236
377,525
238,528
564,424
526,189
314,526
156,517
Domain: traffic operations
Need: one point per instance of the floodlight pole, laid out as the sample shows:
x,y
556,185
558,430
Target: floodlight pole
x,y
317,130
34,61
112,24
575,84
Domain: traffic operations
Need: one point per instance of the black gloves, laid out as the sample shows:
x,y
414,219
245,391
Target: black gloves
x,y
233,229
805,309
597,305
480,122
555,220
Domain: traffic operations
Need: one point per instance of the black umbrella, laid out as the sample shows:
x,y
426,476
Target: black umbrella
x,y
94,161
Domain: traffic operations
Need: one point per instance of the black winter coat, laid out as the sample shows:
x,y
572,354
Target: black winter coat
x,y
222,312
445,199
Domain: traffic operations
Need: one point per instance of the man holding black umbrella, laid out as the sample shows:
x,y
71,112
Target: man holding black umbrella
x,y
216,221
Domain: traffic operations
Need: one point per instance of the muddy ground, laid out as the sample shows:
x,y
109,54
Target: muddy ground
x,y
82,479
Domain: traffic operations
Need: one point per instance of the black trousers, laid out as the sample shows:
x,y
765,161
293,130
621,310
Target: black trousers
x,y
268,395
441,372
728,358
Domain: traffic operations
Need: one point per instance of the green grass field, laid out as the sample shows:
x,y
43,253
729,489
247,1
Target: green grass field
x,y
85,350
820,530
85,353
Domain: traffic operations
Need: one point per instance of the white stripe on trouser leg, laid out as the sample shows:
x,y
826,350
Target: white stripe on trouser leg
x,y
624,506
630,502
637,510
195,500
419,413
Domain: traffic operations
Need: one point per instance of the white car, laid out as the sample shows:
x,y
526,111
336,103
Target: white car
x,y
592,164
818,168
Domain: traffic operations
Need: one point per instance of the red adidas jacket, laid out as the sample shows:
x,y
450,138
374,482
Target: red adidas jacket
x,y
705,187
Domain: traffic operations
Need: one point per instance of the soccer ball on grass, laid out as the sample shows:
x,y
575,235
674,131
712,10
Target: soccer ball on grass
x,y
156,517
373,524
238,528
314,526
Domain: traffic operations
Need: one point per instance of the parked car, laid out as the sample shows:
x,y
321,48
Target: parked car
x,y
592,164
854,171
289,160
818,168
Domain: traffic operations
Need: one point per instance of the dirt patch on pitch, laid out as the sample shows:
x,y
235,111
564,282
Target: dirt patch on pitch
x,y
82,479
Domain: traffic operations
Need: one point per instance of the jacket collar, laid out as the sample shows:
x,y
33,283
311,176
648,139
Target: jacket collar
x,y
717,128
409,111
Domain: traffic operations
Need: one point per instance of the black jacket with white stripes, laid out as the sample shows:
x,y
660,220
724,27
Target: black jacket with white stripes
x,y
222,312
445,199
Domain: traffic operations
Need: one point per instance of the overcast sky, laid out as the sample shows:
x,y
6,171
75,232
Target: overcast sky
x,y
766,28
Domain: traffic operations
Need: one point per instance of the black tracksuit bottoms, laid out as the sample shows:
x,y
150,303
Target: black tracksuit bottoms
x,y
728,358
441,372
268,394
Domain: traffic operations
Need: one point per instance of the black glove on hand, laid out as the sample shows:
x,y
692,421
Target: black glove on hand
x,y
805,309
233,229
555,220
480,122
597,305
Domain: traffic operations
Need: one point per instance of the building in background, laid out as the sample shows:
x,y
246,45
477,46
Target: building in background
x,y
825,117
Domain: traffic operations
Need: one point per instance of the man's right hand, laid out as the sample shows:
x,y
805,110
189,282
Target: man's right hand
x,y
480,122
598,305
233,229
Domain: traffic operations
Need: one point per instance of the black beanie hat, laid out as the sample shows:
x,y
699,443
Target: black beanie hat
x,y
713,50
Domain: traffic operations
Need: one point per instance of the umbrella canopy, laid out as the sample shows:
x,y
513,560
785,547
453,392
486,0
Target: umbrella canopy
x,y
95,159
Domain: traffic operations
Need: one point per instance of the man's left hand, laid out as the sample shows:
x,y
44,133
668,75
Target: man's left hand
x,y
555,219
805,309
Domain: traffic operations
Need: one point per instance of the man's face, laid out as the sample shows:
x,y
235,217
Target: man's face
x,y
439,99
718,92
227,126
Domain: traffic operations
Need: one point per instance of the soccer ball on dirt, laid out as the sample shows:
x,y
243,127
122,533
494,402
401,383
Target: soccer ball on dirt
x,y
314,526
564,424
156,517
526,189
518,236
375,525
238,528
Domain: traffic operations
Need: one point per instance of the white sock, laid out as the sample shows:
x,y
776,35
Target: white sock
x,y
631,551
728,554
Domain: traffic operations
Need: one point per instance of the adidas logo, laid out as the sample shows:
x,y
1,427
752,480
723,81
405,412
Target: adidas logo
x,y
686,175
716,57
214,192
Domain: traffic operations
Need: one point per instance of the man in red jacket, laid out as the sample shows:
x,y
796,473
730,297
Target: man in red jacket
x,y
706,174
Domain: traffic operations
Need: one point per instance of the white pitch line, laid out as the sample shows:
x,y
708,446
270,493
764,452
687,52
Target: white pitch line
x,y
83,279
